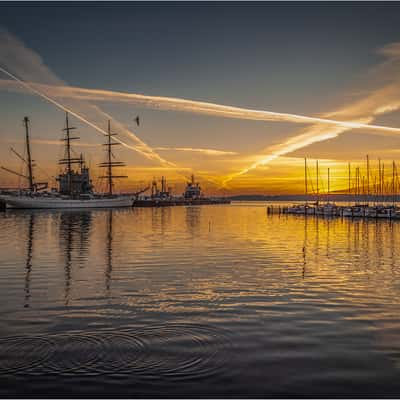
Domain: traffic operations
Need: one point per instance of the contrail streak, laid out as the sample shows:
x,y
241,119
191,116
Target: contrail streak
x,y
78,116
295,143
97,128
51,142
201,107
379,101
210,152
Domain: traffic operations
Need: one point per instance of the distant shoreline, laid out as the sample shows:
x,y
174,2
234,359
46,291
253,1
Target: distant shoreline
x,y
332,197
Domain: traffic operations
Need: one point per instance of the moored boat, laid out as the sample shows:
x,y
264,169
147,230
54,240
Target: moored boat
x,y
163,198
51,202
75,189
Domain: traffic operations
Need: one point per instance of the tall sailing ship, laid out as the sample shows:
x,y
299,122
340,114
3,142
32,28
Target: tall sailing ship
x,y
75,189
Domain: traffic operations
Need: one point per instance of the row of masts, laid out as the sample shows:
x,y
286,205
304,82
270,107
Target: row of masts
x,y
367,187
69,159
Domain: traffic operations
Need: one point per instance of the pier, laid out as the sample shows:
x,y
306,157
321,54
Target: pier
x,y
333,210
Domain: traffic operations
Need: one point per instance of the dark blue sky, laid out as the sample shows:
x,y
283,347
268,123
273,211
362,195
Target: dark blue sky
x,y
235,52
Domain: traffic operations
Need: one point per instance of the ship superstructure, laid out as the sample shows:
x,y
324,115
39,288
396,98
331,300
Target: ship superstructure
x,y
164,198
193,190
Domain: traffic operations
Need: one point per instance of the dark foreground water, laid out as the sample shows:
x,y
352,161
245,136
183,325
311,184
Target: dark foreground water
x,y
213,301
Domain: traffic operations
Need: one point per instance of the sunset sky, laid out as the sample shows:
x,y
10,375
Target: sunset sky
x,y
334,61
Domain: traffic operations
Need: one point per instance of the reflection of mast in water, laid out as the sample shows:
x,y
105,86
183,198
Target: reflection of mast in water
x,y
392,246
68,256
109,251
349,245
328,225
380,243
29,254
74,226
84,227
316,250
365,246
305,247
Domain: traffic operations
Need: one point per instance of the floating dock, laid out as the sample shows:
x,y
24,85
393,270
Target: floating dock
x,y
333,210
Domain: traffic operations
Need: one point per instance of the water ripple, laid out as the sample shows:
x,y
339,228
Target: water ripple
x,y
173,351
21,354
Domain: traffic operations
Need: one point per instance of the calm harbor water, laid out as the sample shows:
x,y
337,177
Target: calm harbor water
x,y
198,301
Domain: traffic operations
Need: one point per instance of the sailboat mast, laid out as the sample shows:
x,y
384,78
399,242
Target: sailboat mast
x,y
393,187
317,184
110,183
329,187
357,188
28,152
363,187
380,178
368,191
349,180
305,177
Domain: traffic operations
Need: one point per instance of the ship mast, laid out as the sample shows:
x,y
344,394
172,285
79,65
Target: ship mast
x,y
317,184
349,181
368,189
33,186
28,152
109,167
329,185
68,160
109,164
393,183
305,178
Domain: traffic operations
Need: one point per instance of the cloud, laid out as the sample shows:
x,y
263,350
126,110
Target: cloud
x,y
382,99
32,75
23,66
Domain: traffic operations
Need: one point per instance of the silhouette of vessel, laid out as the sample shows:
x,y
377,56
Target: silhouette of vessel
x,y
75,189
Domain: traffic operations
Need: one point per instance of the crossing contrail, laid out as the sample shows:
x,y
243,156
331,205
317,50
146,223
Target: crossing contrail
x,y
313,135
81,118
31,68
199,107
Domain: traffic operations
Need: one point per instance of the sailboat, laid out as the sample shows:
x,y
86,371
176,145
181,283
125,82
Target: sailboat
x,y
302,208
330,208
75,189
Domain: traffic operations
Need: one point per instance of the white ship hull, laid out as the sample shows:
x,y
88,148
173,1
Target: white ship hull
x,y
49,202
